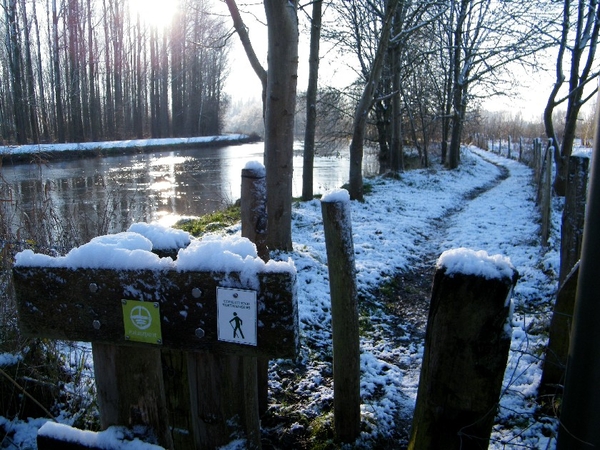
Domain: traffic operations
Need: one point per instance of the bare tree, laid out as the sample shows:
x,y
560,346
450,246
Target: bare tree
x,y
311,101
486,37
578,42
365,103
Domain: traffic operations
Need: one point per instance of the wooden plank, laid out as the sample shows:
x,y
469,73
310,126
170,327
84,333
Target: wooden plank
x,y
86,305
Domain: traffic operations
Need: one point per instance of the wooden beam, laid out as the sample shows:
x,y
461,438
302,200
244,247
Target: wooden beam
x,y
86,305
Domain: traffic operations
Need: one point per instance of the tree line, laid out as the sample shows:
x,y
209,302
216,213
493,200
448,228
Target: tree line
x,y
89,70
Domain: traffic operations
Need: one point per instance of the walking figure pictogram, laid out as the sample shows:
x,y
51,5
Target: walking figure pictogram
x,y
238,325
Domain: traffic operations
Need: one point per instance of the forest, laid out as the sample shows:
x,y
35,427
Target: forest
x,y
90,70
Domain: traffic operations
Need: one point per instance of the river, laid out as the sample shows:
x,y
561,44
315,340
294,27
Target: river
x,y
110,193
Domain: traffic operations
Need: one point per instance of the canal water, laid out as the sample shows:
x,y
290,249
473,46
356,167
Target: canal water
x,y
164,186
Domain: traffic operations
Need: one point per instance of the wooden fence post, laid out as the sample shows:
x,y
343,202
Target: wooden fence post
x,y
521,149
573,214
130,389
254,207
546,194
466,348
254,227
580,412
344,314
508,155
555,361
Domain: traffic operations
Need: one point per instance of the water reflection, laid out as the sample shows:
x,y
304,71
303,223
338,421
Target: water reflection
x,y
108,194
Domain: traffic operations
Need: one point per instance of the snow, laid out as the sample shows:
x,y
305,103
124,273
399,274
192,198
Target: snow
x,y
470,262
402,225
125,250
127,144
256,167
109,439
336,195
162,237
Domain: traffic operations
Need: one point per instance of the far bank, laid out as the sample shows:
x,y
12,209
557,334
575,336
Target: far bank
x,y
27,153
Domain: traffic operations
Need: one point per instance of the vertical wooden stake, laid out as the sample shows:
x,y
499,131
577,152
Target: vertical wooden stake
x,y
223,399
466,348
573,214
546,194
580,413
254,208
344,316
130,389
254,227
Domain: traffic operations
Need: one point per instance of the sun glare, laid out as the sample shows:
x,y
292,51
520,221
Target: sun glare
x,y
156,13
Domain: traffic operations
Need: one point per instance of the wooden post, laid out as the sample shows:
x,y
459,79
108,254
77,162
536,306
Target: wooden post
x,y
344,315
130,389
254,208
555,362
521,149
546,194
224,399
508,155
466,349
254,227
580,412
573,214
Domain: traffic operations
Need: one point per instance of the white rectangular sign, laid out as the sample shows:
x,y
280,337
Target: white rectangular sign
x,y
236,316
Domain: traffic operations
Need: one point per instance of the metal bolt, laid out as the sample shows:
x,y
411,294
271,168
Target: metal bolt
x,y
96,324
196,293
126,338
124,301
156,304
159,341
199,333
235,295
93,287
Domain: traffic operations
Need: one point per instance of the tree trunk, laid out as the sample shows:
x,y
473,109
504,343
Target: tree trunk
x,y
364,105
311,102
15,63
282,75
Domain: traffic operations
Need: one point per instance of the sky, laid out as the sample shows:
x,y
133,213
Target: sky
x,y
528,99
405,223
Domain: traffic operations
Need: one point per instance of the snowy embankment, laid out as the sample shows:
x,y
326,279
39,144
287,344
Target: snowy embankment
x,y
403,226
132,145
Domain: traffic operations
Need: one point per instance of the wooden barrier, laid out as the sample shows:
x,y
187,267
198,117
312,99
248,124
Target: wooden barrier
x,y
135,386
466,349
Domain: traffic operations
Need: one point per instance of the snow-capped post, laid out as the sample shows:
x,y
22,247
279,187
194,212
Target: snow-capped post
x,y
254,227
335,207
254,206
175,342
466,349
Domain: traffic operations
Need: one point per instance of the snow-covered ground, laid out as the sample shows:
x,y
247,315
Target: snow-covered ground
x,y
122,145
404,225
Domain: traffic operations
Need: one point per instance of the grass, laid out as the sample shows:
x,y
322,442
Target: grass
x,y
212,222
